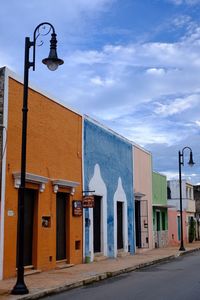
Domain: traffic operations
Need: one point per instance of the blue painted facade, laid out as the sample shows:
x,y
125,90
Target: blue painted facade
x,y
112,156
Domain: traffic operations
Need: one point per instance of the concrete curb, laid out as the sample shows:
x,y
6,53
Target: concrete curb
x,y
189,251
102,276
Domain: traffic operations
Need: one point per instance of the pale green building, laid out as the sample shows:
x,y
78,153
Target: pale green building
x,y
160,210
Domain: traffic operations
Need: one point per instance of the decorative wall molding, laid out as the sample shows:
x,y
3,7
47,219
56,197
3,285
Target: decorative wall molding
x,y
138,196
64,184
32,178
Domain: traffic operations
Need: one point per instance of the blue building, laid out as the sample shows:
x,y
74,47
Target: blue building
x,y
108,172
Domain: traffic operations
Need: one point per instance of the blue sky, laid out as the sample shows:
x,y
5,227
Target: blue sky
x,y
134,65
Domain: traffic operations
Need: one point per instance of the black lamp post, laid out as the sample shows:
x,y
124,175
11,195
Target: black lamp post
x,y
52,63
181,162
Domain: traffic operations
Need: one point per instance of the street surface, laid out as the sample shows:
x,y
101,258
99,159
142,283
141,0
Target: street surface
x,y
174,280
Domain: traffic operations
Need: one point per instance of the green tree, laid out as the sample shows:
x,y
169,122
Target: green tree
x,y
191,230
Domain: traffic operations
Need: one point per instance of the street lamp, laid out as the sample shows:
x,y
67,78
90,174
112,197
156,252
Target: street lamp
x,y
181,162
52,62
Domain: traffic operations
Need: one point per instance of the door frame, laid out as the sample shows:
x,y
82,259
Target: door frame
x,y
98,185
35,225
178,228
138,233
67,227
120,196
103,237
100,220
158,224
121,224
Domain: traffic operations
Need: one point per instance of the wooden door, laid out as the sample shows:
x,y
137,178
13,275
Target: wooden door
x,y
29,204
61,199
157,220
179,227
120,225
138,223
158,227
97,224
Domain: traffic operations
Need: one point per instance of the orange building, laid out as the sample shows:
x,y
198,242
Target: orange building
x,y
53,234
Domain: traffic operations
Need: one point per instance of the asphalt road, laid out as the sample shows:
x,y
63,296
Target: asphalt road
x,y
174,280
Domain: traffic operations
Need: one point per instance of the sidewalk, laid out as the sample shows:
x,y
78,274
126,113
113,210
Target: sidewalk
x,y
54,281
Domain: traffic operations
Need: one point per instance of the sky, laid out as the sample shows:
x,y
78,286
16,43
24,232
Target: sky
x,y
133,65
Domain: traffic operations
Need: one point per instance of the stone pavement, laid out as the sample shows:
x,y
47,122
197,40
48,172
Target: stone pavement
x,y
55,281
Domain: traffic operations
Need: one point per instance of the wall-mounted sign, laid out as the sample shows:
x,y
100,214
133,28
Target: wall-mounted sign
x,y
77,208
145,225
46,221
10,213
88,201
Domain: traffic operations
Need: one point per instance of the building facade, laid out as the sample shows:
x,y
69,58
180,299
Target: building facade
x,y
53,234
188,210
160,210
197,213
108,175
143,198
69,157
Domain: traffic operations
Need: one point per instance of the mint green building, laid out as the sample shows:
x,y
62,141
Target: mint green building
x,y
160,210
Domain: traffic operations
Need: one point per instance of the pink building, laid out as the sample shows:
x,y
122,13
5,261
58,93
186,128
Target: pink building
x,y
143,198
174,229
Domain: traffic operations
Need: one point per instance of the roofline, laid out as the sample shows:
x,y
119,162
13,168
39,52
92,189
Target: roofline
x,y
19,79
185,180
141,148
156,172
106,128
115,133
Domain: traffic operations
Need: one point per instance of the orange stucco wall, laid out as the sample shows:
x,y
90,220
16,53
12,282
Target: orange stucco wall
x,y
54,150
143,182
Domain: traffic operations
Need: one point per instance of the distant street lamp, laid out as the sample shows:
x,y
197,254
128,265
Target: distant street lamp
x,y
181,162
52,62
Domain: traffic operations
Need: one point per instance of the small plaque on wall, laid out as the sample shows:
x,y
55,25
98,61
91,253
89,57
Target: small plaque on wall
x,y
11,213
77,208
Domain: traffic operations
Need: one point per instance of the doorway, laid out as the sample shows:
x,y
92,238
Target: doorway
x,y
120,244
158,228
61,224
30,197
157,220
179,227
97,224
138,223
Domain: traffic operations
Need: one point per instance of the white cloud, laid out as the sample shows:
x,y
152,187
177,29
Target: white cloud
x,y
188,2
175,175
146,134
97,80
182,20
90,57
176,106
197,123
142,130
143,72
155,71
171,175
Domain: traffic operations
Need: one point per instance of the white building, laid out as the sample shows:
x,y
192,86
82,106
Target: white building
x,y
188,202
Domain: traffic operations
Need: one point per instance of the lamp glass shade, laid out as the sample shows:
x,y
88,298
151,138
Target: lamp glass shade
x,y
52,63
191,162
